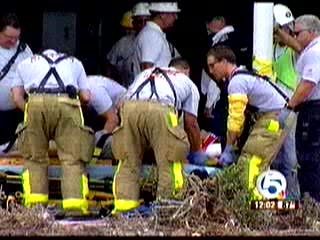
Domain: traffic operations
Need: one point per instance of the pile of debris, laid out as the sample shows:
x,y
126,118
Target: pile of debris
x,y
213,206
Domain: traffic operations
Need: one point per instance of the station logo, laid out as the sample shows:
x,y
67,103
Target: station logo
x,y
272,184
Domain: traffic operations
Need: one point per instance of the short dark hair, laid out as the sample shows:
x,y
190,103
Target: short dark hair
x,y
222,52
179,61
9,19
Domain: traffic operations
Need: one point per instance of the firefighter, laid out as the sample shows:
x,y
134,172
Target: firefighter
x,y
100,114
56,85
149,118
267,103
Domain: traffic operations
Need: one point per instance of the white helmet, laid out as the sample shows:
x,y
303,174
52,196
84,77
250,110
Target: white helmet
x,y
141,9
282,14
166,7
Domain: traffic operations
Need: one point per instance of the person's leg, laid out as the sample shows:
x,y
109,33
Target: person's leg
x,y
33,145
286,162
128,148
170,144
69,137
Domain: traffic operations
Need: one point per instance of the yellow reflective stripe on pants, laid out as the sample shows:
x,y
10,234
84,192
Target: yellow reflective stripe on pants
x,y
253,173
121,205
76,203
177,176
28,197
25,117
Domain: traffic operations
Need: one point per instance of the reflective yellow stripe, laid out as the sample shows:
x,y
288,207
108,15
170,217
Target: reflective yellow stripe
x,y
262,66
84,186
75,203
237,106
25,117
114,182
273,126
81,116
28,197
177,176
122,205
253,173
97,151
172,119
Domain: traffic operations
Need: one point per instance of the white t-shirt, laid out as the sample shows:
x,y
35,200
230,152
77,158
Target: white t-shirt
x,y
32,70
6,102
151,46
105,92
308,67
187,94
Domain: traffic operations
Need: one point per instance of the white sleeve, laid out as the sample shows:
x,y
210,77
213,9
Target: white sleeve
x,y
213,94
205,79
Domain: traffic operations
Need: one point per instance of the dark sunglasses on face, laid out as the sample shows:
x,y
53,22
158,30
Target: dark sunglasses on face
x,y
296,33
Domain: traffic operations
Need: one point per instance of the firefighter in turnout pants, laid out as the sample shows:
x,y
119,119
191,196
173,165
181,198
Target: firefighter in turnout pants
x,y
251,91
149,118
52,112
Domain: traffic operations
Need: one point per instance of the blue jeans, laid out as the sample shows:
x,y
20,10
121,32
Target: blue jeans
x,y
286,162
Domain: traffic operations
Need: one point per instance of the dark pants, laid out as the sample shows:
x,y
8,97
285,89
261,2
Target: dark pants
x,y
9,122
308,149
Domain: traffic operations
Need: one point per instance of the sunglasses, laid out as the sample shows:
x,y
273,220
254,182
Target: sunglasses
x,y
296,33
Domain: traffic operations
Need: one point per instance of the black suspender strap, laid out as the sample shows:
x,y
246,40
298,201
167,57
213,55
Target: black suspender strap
x,y
21,47
170,84
151,80
266,79
54,72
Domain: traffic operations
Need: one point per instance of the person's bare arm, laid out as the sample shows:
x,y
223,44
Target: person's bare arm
x,y
84,96
18,97
303,90
192,129
232,137
112,120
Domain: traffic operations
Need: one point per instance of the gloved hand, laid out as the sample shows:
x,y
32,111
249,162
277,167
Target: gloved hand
x,y
229,155
284,113
100,138
198,158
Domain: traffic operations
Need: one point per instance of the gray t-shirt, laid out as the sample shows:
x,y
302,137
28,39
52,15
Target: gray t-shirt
x,y
259,92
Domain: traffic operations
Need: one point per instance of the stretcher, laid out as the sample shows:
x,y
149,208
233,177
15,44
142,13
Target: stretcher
x,y
100,175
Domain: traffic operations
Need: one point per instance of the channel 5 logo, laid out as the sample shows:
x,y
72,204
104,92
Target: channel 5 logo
x,y
272,184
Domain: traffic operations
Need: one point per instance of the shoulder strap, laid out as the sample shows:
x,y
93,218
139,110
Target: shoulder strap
x,y
266,79
153,87
21,47
52,71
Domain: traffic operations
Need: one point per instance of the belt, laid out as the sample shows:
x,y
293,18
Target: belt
x,y
46,91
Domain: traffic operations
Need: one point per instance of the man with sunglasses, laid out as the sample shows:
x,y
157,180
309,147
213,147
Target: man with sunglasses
x,y
12,52
306,100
